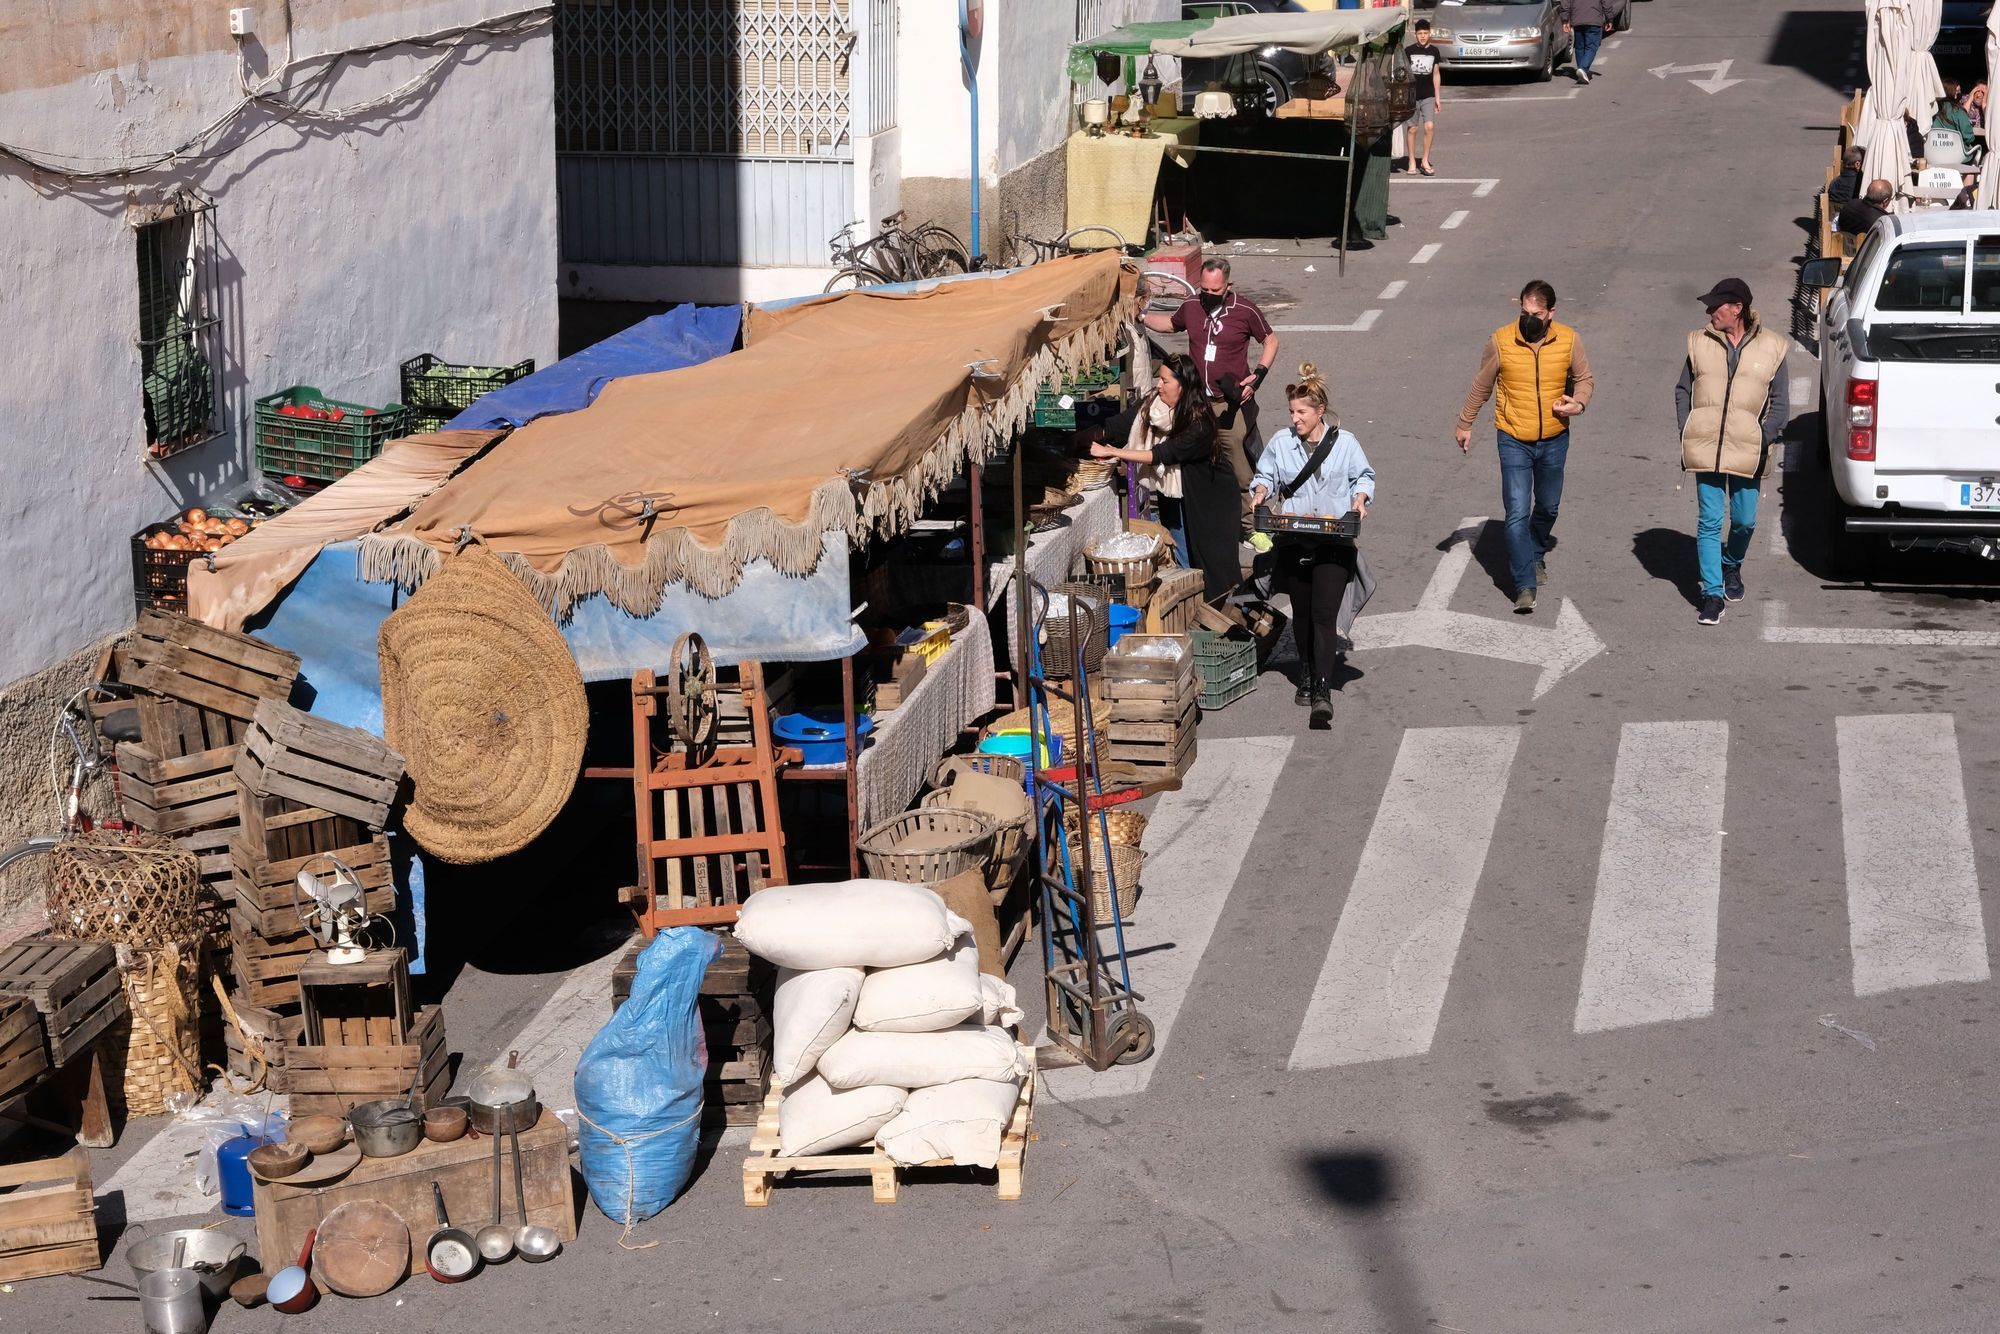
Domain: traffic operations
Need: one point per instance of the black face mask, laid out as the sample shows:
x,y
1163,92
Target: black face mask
x,y
1533,327
1212,301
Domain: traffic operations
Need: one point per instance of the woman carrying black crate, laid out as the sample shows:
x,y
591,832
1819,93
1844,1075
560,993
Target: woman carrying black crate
x,y
1211,505
1314,467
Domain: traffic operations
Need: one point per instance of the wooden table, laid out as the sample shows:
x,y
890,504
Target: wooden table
x,y
463,1169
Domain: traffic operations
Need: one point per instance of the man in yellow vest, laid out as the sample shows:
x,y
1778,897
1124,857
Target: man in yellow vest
x,y
1734,399
1537,374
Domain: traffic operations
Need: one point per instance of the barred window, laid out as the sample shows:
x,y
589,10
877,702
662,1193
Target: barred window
x,y
180,324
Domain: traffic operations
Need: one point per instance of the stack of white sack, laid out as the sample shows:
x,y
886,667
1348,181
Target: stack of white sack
x,y
884,1027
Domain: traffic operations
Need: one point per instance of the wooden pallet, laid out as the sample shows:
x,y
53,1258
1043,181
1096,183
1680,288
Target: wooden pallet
x,y
332,1080
48,1218
764,1164
262,890
73,984
338,770
200,685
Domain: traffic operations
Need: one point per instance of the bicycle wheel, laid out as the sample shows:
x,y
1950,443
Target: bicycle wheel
x,y
1067,241
941,251
854,276
27,849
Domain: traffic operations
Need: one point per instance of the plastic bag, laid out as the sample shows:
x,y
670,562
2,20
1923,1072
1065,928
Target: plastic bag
x,y
219,1118
638,1085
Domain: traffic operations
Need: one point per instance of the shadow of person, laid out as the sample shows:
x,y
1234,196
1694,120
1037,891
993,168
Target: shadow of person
x,y
1668,554
1361,1185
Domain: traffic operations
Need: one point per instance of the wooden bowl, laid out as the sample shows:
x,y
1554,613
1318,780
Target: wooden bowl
x,y
248,1291
274,1162
444,1124
319,1134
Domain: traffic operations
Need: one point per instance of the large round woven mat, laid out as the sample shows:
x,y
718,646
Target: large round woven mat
x,y
484,700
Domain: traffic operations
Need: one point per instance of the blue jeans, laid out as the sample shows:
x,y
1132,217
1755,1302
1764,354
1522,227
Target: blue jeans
x,y
1173,518
1531,487
1588,37
1716,558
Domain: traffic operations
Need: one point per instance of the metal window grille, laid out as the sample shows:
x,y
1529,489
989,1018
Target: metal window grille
x,y
1096,17
881,65
749,79
180,324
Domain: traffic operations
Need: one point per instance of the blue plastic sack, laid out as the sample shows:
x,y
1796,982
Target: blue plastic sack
x,y
638,1086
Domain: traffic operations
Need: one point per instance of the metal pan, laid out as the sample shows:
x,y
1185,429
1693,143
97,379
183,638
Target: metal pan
x,y
451,1255
498,1089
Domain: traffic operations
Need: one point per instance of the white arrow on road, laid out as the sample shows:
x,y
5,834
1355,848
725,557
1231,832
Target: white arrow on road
x,y
1712,85
1557,651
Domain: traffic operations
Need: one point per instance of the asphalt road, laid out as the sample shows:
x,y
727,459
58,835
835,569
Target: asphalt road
x,y
1655,1001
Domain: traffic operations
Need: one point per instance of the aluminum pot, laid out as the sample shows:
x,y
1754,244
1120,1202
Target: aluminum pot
x,y
171,1302
498,1088
212,1255
386,1129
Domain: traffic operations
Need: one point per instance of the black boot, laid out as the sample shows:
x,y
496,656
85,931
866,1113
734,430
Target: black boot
x,y
1322,706
1303,695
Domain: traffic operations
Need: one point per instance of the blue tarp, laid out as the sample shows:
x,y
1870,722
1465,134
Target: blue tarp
x,y
683,336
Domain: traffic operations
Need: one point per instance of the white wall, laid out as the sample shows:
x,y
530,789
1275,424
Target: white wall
x,y
346,248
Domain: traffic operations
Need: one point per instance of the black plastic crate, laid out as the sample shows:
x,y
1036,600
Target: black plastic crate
x,y
435,390
160,573
317,449
159,577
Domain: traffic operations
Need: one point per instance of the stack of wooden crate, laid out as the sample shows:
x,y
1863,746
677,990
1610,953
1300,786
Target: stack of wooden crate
x,y
308,791
197,690
734,1003
362,1039
1152,688
48,1218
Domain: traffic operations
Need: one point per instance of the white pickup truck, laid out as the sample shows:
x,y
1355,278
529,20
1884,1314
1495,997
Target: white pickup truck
x,y
1909,385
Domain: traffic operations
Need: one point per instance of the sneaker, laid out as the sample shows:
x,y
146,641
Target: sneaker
x,y
1322,707
1524,602
1711,611
1732,585
1541,572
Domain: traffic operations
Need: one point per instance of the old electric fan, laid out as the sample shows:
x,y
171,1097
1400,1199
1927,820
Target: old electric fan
x,y
335,913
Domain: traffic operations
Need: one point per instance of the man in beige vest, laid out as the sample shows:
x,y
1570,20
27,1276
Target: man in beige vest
x,y
1733,399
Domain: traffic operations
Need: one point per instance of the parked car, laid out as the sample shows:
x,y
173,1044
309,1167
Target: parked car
x,y
1960,48
1281,74
1521,35
1909,369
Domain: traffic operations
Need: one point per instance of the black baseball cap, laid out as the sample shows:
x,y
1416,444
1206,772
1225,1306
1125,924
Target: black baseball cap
x,y
1729,289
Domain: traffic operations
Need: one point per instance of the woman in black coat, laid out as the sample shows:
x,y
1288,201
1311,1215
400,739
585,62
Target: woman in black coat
x,y
1212,504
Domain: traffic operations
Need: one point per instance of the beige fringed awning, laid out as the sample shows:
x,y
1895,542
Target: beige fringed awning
x,y
845,414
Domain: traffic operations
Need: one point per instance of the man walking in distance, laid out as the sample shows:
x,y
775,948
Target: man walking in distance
x,y
1537,374
1220,326
1733,400
1423,58
1586,21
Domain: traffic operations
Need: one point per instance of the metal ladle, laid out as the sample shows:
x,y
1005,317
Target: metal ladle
x,y
535,1242
496,1239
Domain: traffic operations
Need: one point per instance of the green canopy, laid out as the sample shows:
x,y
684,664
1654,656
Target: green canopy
x,y
1210,38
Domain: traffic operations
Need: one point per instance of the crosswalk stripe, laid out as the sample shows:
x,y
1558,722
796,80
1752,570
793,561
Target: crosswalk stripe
x,y
1651,955
1196,841
1383,984
1912,887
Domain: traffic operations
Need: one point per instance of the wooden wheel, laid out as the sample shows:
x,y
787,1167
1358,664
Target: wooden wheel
x,y
691,710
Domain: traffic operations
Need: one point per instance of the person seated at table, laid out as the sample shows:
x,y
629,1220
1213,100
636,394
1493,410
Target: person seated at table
x,y
1848,183
1975,106
1951,115
1314,467
1856,216
1211,506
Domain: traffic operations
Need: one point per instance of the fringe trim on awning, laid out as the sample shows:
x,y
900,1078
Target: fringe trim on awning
x,y
858,509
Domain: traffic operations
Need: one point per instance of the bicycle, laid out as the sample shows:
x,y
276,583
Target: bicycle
x,y
895,255
1038,250
75,724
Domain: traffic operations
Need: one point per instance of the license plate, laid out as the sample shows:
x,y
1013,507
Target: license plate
x,y
1984,495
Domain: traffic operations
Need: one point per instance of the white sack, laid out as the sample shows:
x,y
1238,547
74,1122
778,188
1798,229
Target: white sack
x,y
809,1013
923,997
963,1121
815,1118
918,1060
998,1002
852,924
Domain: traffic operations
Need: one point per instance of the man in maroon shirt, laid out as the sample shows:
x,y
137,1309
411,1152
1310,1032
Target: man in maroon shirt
x,y
1220,326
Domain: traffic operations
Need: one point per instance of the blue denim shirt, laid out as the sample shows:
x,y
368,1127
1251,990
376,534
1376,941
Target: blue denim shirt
x,y
1329,491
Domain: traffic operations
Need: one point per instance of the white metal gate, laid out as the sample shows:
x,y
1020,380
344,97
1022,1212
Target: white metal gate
x,y
703,132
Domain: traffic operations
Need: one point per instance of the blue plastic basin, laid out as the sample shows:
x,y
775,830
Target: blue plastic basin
x,y
821,736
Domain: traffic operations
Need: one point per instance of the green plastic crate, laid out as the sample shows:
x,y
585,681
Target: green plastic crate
x,y
1228,667
436,390
322,451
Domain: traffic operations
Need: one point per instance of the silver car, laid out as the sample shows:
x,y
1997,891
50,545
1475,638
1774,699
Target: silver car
x,y
1517,35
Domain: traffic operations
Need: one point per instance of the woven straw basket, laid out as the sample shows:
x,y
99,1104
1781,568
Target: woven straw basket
x,y
929,844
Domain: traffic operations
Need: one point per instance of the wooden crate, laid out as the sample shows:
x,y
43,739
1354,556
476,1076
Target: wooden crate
x,y
339,770
267,963
463,1170
74,985
333,1080
262,890
174,796
1149,763
48,1218
764,1164
1171,609
23,1060
278,829
361,1004
275,1033
201,685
